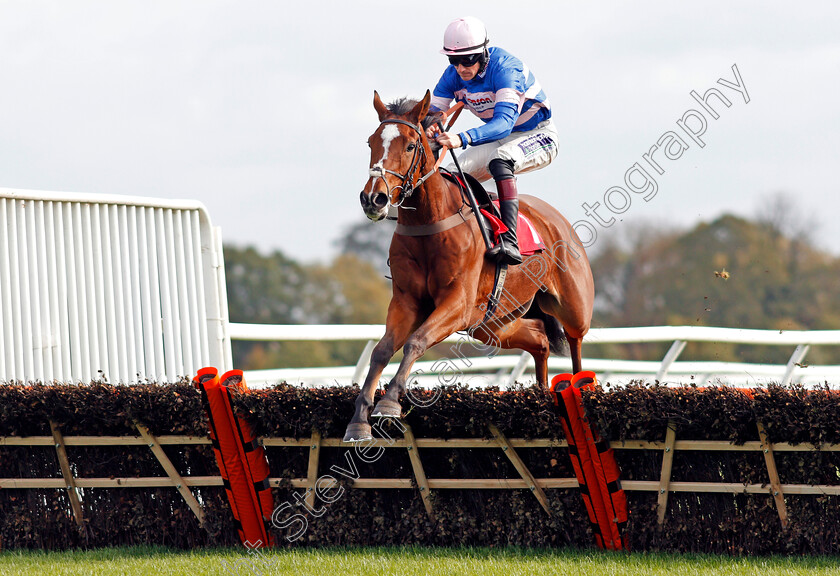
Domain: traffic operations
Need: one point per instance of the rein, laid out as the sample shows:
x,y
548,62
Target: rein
x,y
407,189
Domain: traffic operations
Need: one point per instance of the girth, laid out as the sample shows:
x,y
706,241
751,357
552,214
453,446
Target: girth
x,y
461,216
436,227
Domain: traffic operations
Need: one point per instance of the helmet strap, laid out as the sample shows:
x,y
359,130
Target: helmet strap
x,y
485,57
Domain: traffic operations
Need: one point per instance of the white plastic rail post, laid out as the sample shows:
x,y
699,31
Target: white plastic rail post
x,y
673,353
519,369
795,360
364,362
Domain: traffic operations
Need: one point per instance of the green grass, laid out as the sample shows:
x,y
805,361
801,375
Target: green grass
x,y
402,561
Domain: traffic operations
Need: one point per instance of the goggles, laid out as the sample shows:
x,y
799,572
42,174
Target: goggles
x,y
466,60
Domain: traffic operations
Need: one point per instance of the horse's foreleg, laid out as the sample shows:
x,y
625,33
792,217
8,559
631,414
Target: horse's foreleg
x,y
446,319
401,320
359,427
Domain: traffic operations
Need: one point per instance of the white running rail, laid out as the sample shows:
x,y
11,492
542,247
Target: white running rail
x,y
505,369
129,289
105,286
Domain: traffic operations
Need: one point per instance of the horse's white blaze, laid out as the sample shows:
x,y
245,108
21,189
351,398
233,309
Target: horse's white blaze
x,y
388,134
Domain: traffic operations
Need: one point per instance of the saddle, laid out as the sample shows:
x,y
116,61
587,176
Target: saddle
x,y
530,241
483,197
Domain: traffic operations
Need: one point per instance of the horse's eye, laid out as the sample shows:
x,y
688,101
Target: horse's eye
x,y
411,147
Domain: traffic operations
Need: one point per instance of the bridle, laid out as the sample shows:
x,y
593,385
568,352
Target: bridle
x,y
406,187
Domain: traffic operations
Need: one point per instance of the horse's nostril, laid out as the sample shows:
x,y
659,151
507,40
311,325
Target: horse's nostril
x,y
380,199
363,198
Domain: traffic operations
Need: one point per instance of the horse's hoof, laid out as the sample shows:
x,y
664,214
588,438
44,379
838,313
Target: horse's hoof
x,y
358,431
386,408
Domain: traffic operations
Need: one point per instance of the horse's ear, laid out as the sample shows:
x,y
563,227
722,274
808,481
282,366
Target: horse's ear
x,y
379,106
421,109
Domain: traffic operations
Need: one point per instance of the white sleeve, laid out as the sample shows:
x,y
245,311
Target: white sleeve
x,y
441,103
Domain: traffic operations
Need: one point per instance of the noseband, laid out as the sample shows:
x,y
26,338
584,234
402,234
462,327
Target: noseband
x,y
405,187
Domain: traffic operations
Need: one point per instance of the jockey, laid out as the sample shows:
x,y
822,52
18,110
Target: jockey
x,y
518,134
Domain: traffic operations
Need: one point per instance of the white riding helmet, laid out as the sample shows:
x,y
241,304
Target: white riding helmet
x,y
465,36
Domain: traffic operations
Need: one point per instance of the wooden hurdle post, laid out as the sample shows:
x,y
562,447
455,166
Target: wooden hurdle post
x,y
176,479
773,472
69,480
665,476
520,466
312,468
419,473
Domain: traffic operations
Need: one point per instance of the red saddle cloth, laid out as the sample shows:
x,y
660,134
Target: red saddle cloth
x,y
527,236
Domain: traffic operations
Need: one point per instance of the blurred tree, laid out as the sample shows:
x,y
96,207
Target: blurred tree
x,y
264,289
272,289
369,241
782,215
349,291
730,272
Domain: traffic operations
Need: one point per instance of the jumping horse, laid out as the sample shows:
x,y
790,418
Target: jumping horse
x,y
441,278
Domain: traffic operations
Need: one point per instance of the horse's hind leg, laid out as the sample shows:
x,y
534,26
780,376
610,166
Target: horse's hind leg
x,y
575,321
575,349
525,334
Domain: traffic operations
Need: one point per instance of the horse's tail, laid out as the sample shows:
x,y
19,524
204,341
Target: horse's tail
x,y
557,342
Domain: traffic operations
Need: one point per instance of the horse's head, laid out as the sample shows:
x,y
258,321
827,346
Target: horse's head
x,y
398,155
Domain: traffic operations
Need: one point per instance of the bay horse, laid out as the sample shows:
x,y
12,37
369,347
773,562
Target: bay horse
x,y
441,279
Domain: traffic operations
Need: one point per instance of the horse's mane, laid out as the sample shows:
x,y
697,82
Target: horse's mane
x,y
403,106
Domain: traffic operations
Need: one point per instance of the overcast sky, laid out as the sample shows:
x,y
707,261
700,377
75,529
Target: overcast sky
x,y
261,109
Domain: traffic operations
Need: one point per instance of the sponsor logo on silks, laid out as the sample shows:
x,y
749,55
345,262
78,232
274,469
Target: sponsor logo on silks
x,y
480,103
535,143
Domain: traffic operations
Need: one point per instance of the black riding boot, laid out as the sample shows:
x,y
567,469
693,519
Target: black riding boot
x,y
507,250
